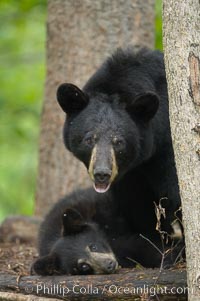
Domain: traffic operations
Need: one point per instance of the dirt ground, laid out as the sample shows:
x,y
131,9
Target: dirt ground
x,y
16,258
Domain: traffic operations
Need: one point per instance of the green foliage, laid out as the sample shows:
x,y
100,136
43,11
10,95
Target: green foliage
x,y
22,73
158,25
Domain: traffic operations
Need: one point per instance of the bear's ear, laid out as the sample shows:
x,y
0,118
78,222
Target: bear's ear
x,y
73,222
144,106
46,265
71,98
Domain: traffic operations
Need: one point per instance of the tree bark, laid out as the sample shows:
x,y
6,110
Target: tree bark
x,y
80,34
181,28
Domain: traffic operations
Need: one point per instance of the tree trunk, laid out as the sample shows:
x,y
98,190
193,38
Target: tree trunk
x,y
181,28
80,34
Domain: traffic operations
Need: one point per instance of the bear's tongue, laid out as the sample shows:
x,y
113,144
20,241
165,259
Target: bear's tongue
x,y
101,188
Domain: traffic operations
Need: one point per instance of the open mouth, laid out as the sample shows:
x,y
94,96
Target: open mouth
x,y
101,187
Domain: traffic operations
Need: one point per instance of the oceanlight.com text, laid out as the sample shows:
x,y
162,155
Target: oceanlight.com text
x,y
62,290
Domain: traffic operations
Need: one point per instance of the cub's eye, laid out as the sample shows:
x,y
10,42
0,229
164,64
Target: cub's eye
x,y
93,247
84,268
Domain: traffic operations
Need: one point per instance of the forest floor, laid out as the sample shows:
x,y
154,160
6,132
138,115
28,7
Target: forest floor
x,y
16,258
16,284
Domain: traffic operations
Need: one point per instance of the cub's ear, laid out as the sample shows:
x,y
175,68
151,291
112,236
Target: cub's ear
x,y
71,98
73,222
46,265
144,106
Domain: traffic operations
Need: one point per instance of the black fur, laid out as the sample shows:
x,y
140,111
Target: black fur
x,y
127,99
68,238
71,226
122,101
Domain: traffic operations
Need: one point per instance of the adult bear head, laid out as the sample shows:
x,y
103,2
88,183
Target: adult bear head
x,y
106,135
108,125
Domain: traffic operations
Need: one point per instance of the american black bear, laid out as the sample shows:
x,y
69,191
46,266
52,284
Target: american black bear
x,y
118,126
70,242
84,234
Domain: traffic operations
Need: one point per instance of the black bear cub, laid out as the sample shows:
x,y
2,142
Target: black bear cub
x,y
118,126
84,234
71,243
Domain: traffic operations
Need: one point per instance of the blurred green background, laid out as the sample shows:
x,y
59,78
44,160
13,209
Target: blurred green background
x,y
22,75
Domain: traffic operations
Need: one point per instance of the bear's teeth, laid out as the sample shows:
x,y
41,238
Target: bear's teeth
x,y
100,188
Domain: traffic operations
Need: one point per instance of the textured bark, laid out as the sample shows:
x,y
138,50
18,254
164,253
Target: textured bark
x,y
80,34
181,27
128,285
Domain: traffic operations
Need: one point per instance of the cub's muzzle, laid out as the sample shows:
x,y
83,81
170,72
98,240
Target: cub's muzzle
x,y
100,263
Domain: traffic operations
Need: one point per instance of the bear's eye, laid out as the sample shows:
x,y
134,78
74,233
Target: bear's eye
x,y
93,247
89,140
118,142
84,268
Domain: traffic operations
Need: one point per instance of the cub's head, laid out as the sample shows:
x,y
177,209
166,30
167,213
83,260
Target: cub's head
x,y
107,133
82,249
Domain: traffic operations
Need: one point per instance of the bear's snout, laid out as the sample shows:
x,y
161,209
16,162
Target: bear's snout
x,y
103,168
102,176
102,179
